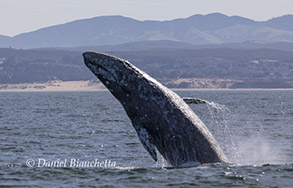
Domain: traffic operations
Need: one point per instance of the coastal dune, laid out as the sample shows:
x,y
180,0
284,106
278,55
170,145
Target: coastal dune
x,y
55,85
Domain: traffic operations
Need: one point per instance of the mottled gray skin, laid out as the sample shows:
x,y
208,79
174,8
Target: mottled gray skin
x,y
162,120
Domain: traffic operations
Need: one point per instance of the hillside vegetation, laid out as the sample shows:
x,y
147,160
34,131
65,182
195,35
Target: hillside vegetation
x,y
222,67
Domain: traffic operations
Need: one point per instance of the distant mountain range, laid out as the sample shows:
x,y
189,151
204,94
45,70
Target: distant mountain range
x,y
213,28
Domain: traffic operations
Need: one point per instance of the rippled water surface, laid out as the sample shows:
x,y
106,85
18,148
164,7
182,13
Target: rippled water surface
x,y
42,134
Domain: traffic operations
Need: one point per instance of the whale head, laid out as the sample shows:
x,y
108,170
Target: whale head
x,y
118,75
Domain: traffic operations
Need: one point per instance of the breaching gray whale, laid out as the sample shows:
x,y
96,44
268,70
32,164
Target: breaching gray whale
x,y
162,120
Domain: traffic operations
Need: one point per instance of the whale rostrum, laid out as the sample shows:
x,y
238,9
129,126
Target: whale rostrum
x,y
163,121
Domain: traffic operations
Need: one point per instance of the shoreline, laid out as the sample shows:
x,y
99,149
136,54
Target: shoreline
x,y
89,85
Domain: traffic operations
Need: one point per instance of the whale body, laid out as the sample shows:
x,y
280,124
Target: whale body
x,y
163,121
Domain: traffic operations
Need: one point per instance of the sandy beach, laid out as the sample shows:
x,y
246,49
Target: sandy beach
x,y
88,85
55,85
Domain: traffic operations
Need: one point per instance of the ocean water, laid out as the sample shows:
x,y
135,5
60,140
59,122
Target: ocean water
x,y
85,139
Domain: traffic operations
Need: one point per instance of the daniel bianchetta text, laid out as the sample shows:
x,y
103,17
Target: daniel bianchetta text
x,y
70,163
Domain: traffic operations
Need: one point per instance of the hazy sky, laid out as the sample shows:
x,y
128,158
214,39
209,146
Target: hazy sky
x,y
18,16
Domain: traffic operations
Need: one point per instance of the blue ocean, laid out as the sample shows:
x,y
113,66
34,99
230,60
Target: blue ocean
x,y
85,139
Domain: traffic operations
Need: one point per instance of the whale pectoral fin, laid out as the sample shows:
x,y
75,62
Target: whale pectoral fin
x,y
189,100
146,140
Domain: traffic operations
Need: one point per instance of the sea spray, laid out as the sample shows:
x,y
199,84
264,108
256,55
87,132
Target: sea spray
x,y
161,162
256,150
217,121
253,149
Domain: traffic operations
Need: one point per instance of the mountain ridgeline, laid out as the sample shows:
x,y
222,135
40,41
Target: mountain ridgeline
x,y
111,30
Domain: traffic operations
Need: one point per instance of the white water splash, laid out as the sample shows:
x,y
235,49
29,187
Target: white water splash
x,y
161,162
219,126
218,107
256,150
250,150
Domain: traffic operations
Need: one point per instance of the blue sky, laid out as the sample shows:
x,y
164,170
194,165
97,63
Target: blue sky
x,y
18,16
